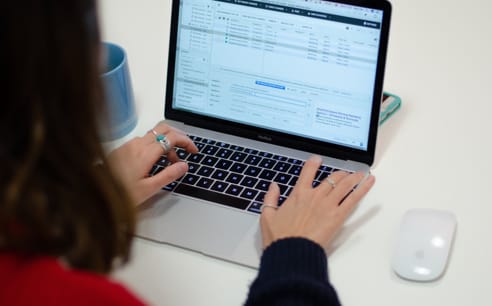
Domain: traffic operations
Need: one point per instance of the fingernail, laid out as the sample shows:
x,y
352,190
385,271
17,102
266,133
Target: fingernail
x,y
316,158
183,166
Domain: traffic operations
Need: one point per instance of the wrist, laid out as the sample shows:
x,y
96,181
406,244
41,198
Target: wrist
x,y
294,256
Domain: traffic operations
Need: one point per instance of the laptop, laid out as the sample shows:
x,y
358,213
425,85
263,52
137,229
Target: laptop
x,y
261,85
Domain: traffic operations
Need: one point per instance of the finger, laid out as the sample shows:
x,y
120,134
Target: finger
x,y
166,176
331,181
345,186
161,128
172,156
271,198
178,139
351,201
308,172
151,135
183,141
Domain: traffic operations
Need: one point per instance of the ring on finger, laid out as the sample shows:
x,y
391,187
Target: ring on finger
x,y
331,182
268,206
163,141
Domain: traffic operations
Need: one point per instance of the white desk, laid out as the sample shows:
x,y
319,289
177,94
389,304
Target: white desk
x,y
440,63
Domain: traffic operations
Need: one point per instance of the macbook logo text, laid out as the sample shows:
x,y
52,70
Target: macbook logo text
x,y
265,138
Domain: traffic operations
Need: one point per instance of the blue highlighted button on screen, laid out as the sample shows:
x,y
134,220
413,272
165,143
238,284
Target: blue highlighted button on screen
x,y
270,85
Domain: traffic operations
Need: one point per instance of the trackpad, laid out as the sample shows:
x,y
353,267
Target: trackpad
x,y
201,226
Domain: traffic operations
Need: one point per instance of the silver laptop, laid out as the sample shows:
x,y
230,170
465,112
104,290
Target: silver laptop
x,y
260,86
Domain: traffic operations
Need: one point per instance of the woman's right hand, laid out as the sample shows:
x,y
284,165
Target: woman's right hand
x,y
133,161
313,213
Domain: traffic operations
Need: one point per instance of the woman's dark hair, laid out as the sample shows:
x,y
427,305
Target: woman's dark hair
x,y
54,200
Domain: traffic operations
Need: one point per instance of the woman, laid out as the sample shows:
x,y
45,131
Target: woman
x,y
67,212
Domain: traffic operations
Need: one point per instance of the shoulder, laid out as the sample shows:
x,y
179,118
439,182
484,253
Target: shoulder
x,y
45,281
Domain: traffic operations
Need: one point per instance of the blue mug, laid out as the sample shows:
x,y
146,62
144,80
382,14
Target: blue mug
x,y
122,115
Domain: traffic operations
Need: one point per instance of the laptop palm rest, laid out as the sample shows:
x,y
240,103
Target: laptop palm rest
x,y
201,226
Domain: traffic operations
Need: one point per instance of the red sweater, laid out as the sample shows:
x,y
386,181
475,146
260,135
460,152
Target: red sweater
x,y
44,281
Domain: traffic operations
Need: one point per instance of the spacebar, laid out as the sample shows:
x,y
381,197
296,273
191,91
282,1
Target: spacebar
x,y
211,196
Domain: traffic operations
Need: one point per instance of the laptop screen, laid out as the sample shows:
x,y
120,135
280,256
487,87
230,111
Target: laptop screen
x,y
304,68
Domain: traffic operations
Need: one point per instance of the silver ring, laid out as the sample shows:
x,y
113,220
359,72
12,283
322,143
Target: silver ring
x,y
331,182
163,141
267,205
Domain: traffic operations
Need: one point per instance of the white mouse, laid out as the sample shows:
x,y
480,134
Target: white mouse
x,y
423,244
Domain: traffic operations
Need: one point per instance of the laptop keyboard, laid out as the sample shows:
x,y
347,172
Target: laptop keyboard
x,y
235,176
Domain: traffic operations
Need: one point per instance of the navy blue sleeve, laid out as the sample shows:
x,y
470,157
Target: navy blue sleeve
x,y
293,271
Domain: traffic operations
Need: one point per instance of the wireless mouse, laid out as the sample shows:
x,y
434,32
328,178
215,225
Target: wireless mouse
x,y
423,244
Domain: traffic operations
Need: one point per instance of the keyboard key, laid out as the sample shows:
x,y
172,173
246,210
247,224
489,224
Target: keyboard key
x,y
171,186
326,168
282,178
283,189
281,200
192,167
212,196
209,161
255,207
224,153
220,174
279,157
295,170
293,181
261,196
209,141
195,138
249,181
249,193
265,154
322,175
252,171
289,190
251,151
190,179
234,178
234,190
252,160
210,150
196,158
238,156
223,164
263,185
200,145
182,154
205,171
295,161
237,148
223,144
154,170
205,182
163,162
267,174
267,163
282,167
238,167
219,186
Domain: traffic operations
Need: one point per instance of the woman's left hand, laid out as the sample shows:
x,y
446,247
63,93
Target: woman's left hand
x,y
133,161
